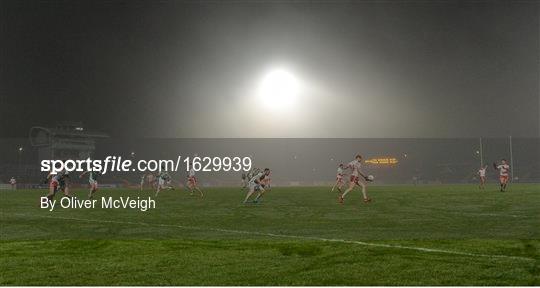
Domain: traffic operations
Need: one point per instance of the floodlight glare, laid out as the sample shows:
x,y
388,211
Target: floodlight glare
x,y
278,89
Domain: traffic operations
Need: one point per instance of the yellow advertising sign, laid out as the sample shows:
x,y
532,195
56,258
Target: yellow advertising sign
x,y
382,161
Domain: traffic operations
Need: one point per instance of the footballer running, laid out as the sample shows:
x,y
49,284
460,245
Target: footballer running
x,y
504,169
164,181
92,180
355,180
192,183
58,182
255,184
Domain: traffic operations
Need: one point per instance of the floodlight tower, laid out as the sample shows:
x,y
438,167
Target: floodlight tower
x,y
511,159
20,151
481,149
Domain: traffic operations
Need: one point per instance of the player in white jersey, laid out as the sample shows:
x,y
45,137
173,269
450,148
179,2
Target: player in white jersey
x,y
58,182
339,178
355,180
482,176
248,176
143,178
192,182
92,179
164,180
254,184
504,170
13,183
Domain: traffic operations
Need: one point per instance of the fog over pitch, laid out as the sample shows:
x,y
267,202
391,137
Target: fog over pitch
x,y
364,69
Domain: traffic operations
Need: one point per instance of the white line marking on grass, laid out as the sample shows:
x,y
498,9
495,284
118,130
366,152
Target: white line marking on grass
x,y
487,214
380,245
496,215
476,213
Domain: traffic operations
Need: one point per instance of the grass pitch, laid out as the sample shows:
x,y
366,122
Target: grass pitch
x,y
424,235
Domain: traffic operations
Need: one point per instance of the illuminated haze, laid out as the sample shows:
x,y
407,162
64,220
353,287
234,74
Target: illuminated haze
x,y
195,70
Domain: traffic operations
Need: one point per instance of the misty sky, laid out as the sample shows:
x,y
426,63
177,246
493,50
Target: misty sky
x,y
366,69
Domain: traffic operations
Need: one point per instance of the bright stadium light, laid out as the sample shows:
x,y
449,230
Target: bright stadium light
x,y
278,89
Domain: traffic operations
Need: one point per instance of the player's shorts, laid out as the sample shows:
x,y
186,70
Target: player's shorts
x,y
93,182
54,184
254,186
503,178
161,181
354,179
339,178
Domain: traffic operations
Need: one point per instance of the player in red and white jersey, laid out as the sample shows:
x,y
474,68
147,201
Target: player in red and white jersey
x,y
504,170
192,182
264,181
339,178
482,176
357,178
151,180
